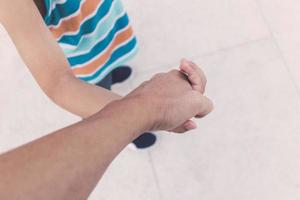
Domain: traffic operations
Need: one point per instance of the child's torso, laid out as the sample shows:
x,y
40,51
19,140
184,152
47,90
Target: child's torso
x,y
95,35
40,4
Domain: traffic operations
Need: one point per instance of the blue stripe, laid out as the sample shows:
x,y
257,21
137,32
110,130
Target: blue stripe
x,y
89,25
47,5
103,28
102,45
121,51
62,11
119,62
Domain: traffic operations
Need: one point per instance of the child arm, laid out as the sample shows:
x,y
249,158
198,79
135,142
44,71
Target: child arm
x,y
47,62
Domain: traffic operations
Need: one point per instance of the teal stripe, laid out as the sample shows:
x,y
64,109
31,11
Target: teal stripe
x,y
121,24
62,11
102,29
89,25
47,4
94,35
119,62
117,54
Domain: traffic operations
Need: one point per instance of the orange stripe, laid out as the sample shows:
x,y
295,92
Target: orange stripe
x,y
90,68
73,24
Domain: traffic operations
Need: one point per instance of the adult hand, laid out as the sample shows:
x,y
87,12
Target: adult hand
x,y
198,81
172,100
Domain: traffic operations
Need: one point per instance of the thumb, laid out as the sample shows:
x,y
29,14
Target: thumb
x,y
200,105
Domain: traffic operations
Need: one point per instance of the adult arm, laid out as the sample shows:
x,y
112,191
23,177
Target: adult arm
x,y
67,164
47,62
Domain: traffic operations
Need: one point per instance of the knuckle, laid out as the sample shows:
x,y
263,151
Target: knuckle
x,y
144,83
157,75
174,71
195,78
198,88
211,104
207,105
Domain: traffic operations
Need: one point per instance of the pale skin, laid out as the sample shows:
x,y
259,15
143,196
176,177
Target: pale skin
x,y
68,163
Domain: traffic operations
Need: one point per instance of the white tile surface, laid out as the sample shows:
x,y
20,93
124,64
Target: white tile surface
x,y
129,177
249,147
284,21
26,113
169,30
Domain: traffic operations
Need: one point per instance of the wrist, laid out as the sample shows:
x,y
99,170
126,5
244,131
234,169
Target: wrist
x,y
143,110
133,113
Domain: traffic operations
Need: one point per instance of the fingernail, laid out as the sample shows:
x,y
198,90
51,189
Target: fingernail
x,y
192,63
190,126
184,61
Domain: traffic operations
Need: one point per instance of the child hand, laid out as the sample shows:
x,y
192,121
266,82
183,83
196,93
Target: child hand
x,y
193,71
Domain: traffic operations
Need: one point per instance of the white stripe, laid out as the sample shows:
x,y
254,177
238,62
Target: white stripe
x,y
65,46
55,3
92,15
114,65
68,17
100,39
78,30
104,50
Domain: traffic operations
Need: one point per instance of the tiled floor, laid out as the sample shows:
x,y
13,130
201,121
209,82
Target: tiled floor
x,y
282,18
247,149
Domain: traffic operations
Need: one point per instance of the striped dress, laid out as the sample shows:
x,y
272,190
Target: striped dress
x,y
95,35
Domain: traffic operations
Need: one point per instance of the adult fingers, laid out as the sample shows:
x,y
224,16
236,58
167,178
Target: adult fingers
x,y
201,105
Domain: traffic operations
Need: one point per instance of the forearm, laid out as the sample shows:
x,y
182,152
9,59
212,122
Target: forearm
x,y
68,163
81,98
48,64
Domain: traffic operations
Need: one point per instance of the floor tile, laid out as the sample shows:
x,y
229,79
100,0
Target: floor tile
x,y
284,21
248,148
169,30
129,177
27,113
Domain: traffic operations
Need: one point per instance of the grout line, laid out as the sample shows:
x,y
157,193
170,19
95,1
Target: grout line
x,y
219,50
229,48
156,179
277,46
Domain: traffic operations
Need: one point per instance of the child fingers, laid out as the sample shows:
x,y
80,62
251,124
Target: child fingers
x,y
197,83
199,71
189,125
194,76
186,126
186,68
